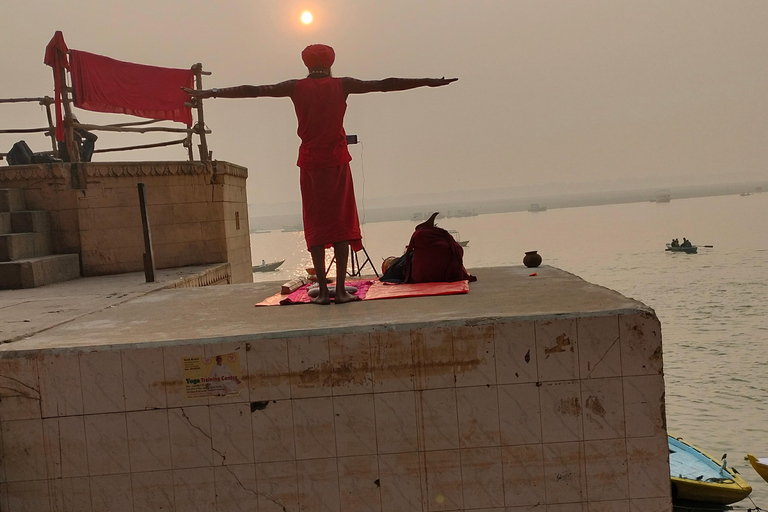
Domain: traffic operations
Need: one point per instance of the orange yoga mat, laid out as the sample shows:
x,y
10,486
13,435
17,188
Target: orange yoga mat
x,y
378,290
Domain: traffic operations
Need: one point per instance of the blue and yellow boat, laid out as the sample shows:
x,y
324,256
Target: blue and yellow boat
x,y
697,476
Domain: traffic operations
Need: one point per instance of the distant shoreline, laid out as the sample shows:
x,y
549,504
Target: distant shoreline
x,y
518,204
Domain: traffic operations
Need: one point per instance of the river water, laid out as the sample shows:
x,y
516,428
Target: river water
x,y
713,305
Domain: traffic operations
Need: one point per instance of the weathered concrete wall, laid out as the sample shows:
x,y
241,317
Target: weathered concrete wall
x,y
198,213
534,413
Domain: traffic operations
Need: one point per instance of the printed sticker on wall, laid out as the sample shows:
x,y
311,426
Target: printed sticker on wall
x,y
212,376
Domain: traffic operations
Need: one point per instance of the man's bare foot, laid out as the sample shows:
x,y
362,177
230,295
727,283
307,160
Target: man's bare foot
x,y
342,298
322,299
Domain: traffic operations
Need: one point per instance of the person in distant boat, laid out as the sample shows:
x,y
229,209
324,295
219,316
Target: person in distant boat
x,y
328,197
686,243
675,243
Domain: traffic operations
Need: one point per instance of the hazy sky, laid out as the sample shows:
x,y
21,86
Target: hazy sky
x,y
549,91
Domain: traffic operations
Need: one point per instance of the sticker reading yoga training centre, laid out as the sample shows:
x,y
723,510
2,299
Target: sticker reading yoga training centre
x,y
212,376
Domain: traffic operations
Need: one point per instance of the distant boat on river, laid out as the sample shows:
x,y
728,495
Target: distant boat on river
x,y
267,267
535,207
691,249
456,236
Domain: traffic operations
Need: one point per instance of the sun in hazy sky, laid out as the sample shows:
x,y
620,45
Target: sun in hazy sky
x,y
306,17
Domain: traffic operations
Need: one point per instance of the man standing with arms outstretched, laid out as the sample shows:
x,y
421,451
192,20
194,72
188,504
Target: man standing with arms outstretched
x,y
327,194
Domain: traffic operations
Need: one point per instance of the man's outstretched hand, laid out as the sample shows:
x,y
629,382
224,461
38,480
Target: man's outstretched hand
x,y
437,82
198,93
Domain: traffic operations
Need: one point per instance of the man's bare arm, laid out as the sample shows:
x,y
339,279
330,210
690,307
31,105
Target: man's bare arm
x,y
355,86
281,90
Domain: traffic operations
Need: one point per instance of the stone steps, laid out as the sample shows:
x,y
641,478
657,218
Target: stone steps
x,y
17,246
39,271
12,200
25,246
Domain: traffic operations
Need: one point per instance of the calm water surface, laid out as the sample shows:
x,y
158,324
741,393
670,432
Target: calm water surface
x,y
713,305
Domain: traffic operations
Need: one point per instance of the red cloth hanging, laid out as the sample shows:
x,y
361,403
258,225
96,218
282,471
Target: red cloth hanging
x,y
102,84
56,57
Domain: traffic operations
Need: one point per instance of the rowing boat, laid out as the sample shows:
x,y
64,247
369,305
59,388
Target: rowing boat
x,y
456,236
697,476
760,465
688,250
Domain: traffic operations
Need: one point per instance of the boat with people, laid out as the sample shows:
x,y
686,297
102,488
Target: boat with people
x,y
686,249
699,477
456,236
267,267
760,465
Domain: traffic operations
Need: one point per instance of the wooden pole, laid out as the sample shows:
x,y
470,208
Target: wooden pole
x,y
47,102
69,134
23,100
141,146
128,129
198,69
149,255
190,148
29,130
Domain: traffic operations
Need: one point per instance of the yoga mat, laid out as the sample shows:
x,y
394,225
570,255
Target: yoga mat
x,y
374,290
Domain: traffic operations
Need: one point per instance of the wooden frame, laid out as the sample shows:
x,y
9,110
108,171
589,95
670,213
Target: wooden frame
x,y
70,125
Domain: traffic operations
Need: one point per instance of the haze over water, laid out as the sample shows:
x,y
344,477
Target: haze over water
x,y
712,305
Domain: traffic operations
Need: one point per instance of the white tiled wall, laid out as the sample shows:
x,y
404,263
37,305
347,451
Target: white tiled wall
x,y
556,415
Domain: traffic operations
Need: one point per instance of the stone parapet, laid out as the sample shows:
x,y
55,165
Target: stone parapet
x,y
198,212
543,393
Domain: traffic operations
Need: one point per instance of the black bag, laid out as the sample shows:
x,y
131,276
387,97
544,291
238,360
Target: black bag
x,y
396,271
45,158
20,154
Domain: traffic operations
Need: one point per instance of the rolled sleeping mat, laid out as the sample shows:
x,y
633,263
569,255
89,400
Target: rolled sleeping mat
x,y
314,290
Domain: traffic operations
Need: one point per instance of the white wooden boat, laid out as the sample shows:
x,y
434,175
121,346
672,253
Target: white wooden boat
x,y
456,236
267,267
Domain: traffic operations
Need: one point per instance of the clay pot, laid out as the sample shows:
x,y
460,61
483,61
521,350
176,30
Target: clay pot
x,y
532,259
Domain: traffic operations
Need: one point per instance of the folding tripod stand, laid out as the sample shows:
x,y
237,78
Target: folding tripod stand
x,y
355,268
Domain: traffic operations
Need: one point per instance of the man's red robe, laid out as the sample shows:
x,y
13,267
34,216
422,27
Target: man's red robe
x,y
327,192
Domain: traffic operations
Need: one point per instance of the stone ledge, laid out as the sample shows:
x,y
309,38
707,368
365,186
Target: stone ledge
x,y
61,171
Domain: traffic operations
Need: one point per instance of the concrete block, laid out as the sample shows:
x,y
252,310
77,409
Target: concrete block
x,y
197,212
12,200
117,217
31,221
5,223
17,246
159,195
40,271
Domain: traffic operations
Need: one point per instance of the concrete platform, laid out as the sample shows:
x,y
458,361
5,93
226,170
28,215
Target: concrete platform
x,y
528,393
26,312
123,310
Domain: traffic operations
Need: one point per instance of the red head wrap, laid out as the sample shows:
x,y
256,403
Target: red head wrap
x,y
318,56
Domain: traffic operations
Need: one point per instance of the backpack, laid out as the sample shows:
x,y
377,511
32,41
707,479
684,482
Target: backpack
x,y
434,256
